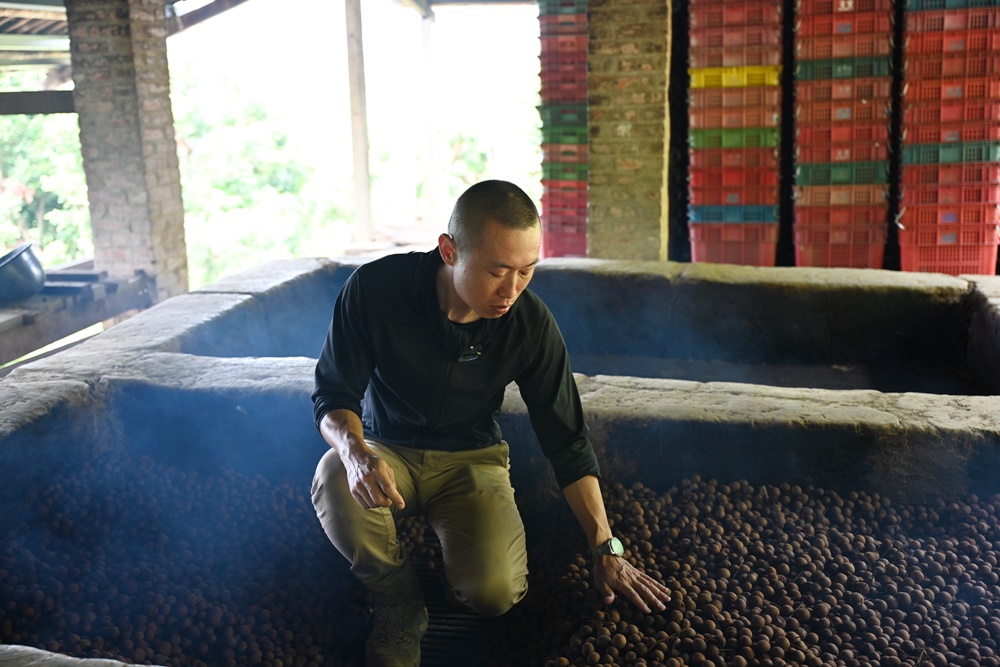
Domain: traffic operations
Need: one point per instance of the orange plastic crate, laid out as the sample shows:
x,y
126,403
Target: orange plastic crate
x,y
552,185
843,46
565,153
983,215
759,96
556,243
941,251
931,90
944,195
734,243
735,35
843,111
841,195
563,49
846,246
951,174
858,152
952,65
951,132
734,117
978,18
838,25
735,157
575,200
734,196
872,90
736,56
735,14
956,41
812,7
873,133
734,177
848,216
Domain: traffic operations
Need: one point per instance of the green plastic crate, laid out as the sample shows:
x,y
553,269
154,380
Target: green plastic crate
x,y
565,171
736,137
563,114
972,151
562,6
564,134
920,5
844,68
846,173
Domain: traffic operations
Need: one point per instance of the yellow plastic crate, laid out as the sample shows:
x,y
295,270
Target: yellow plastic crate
x,y
736,77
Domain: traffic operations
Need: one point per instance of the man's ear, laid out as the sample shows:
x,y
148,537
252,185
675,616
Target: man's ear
x,y
448,249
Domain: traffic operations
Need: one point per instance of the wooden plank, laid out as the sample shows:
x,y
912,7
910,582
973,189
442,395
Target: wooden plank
x,y
66,288
359,122
10,320
176,24
37,102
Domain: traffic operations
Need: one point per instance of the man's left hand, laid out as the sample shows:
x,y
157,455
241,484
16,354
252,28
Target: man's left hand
x,y
612,574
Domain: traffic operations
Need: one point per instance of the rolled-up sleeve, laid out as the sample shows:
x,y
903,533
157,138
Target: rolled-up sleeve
x,y
347,360
553,401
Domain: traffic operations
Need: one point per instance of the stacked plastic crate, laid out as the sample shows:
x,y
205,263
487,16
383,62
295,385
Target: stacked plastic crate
x,y
843,95
564,127
735,116
951,141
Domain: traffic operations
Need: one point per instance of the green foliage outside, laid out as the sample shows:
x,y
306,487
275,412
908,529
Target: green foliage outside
x,y
43,194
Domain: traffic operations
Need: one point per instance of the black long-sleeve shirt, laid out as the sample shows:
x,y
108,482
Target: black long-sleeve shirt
x,y
392,357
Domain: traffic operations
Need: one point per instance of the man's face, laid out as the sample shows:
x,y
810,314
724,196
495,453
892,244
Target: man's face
x,y
489,278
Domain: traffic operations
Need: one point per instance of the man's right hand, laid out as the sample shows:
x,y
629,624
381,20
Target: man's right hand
x,y
372,482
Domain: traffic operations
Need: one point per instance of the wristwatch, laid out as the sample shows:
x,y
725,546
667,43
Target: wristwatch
x,y
612,547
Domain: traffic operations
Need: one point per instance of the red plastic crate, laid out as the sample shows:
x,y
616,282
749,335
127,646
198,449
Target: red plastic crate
x,y
946,195
984,215
734,243
735,158
930,90
962,111
563,243
565,222
563,91
552,185
717,15
978,18
843,111
872,133
841,195
874,90
736,56
563,24
957,41
574,200
856,216
951,174
838,25
734,196
975,64
951,132
843,46
758,96
949,258
836,153
734,117
823,7
563,48
739,178
565,153
846,246
734,35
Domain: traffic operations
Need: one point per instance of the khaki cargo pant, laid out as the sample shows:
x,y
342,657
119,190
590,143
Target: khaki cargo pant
x,y
468,501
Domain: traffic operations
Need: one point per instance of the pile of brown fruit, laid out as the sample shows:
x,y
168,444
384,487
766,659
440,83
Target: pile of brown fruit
x,y
132,560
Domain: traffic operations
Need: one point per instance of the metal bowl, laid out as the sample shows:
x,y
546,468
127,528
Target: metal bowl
x,y
21,275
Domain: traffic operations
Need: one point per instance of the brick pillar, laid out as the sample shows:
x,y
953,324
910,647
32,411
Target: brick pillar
x,y
122,98
629,64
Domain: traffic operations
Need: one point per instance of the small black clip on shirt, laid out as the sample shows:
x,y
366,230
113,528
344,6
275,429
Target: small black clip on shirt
x,y
470,353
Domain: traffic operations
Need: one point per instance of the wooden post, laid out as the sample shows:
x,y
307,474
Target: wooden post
x,y
359,122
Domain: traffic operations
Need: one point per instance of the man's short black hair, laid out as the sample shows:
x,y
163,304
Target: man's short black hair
x,y
500,201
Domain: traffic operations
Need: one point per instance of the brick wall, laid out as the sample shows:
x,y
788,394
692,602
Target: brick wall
x,y
122,98
629,64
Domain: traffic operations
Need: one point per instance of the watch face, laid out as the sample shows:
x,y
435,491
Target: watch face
x,y
616,546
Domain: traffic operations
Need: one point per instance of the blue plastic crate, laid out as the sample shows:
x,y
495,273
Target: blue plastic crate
x,y
751,214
